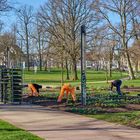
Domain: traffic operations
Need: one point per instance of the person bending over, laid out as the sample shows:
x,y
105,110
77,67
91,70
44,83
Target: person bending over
x,y
117,84
69,90
34,88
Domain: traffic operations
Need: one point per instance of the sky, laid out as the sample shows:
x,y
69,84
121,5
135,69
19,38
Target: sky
x,y
34,3
9,18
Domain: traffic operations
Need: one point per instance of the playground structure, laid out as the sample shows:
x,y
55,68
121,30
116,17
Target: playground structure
x,y
11,85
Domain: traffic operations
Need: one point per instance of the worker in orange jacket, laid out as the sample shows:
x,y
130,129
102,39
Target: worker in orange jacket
x,y
34,88
69,90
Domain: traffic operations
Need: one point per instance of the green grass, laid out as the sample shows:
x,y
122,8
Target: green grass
x,y
10,132
125,118
96,80
135,82
54,77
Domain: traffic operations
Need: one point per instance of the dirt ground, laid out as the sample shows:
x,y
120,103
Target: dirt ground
x,y
52,104
131,89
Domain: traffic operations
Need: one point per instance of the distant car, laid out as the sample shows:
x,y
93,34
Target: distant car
x,y
124,68
114,67
89,67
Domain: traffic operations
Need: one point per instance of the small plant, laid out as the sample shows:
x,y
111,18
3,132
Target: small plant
x,y
125,86
132,86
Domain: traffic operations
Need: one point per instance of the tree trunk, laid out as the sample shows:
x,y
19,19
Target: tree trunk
x,y
40,55
136,66
40,61
131,72
46,65
27,47
125,46
110,69
21,59
75,70
119,65
110,60
106,73
110,66
97,66
134,27
62,73
67,69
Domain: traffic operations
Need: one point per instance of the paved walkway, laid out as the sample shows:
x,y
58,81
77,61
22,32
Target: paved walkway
x,y
59,125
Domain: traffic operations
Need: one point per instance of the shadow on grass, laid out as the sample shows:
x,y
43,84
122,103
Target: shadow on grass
x,y
10,129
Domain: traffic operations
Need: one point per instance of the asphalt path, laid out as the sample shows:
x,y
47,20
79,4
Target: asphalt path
x,y
58,125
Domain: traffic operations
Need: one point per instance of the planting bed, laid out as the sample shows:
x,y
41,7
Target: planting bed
x,y
96,101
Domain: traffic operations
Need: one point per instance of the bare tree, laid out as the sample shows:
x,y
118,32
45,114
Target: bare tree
x,y
122,9
62,19
4,6
10,52
39,36
134,54
135,15
25,16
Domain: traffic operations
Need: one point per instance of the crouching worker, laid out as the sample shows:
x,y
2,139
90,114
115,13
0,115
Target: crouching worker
x,y
117,84
34,88
69,90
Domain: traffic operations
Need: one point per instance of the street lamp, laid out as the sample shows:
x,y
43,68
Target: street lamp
x,y
83,65
8,57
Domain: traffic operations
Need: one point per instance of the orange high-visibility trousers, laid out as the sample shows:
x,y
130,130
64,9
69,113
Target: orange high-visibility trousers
x,y
33,90
69,90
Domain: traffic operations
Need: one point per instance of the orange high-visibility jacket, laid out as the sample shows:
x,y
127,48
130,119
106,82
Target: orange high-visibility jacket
x,y
69,90
33,90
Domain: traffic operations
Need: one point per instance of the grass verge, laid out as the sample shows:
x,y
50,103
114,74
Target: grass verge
x,y
126,118
10,132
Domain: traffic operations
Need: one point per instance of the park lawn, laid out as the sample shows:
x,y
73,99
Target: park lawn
x,y
96,80
54,77
10,132
131,118
101,84
132,83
